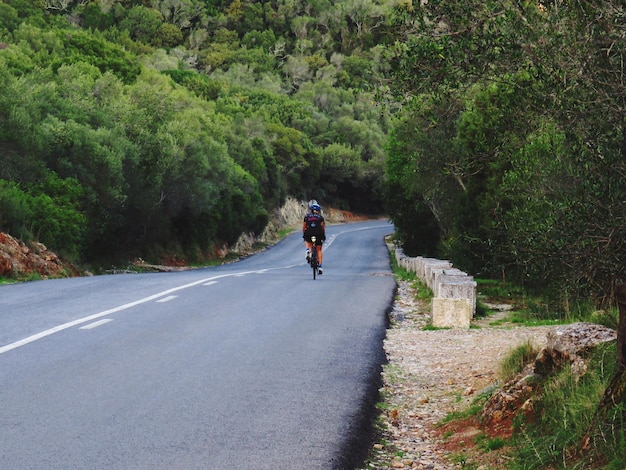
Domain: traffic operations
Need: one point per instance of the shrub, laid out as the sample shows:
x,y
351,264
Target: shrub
x,y
15,210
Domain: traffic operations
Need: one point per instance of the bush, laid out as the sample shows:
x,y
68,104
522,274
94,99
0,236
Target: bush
x,y
15,210
48,212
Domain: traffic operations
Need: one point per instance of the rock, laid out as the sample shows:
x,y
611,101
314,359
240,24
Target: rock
x,y
567,344
18,259
6,266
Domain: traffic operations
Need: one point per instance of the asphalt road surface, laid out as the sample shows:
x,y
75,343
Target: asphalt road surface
x,y
250,365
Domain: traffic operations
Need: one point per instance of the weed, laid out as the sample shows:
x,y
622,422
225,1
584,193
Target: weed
x,y
284,232
516,360
487,444
499,290
564,420
474,409
430,327
422,292
481,310
393,373
463,460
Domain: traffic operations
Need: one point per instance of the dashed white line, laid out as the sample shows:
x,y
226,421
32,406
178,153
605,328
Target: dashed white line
x,y
95,316
167,299
96,323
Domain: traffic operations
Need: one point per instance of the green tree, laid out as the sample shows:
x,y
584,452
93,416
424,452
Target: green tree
x,y
56,215
83,47
93,17
517,57
144,25
246,109
31,11
15,210
9,20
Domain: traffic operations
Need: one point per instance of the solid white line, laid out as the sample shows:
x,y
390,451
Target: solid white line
x,y
210,283
95,316
167,299
96,323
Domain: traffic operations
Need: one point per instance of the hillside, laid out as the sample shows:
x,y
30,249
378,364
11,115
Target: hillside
x,y
159,129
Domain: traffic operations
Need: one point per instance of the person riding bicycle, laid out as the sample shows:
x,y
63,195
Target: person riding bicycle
x,y
314,225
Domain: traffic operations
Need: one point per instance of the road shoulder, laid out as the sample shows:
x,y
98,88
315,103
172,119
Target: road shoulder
x,y
431,373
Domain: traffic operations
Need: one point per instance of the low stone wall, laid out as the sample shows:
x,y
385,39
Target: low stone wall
x,y
454,301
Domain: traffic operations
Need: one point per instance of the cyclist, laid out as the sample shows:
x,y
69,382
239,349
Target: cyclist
x,y
314,225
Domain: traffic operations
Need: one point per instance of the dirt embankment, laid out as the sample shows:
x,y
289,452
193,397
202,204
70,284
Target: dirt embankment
x,y
18,259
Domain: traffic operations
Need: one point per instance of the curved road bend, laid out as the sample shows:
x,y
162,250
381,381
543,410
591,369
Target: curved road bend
x,y
251,365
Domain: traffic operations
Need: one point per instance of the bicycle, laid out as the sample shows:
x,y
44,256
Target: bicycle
x,y
313,259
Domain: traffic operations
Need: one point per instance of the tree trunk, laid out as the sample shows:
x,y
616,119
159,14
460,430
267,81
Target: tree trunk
x,y
616,390
620,294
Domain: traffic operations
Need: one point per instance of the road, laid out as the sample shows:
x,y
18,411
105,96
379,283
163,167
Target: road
x,y
250,365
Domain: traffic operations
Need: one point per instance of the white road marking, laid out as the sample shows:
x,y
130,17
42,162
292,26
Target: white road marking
x,y
80,321
210,283
96,323
167,299
95,316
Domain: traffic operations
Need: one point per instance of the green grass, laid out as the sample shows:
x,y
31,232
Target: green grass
x,y
284,232
422,291
34,276
430,327
463,460
401,273
530,309
474,409
488,444
563,418
516,360
497,289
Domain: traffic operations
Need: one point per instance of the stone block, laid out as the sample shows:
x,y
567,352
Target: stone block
x,y
459,288
451,313
447,275
431,265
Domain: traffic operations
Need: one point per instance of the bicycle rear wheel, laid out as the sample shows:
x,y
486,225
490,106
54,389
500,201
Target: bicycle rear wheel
x,y
314,264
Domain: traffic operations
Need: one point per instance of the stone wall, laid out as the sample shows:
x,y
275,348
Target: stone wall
x,y
454,292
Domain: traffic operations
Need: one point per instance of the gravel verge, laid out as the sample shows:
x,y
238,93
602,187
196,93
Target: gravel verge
x,y
430,374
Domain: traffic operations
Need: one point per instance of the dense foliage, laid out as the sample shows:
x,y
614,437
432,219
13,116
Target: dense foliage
x,y
512,140
139,127
144,126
